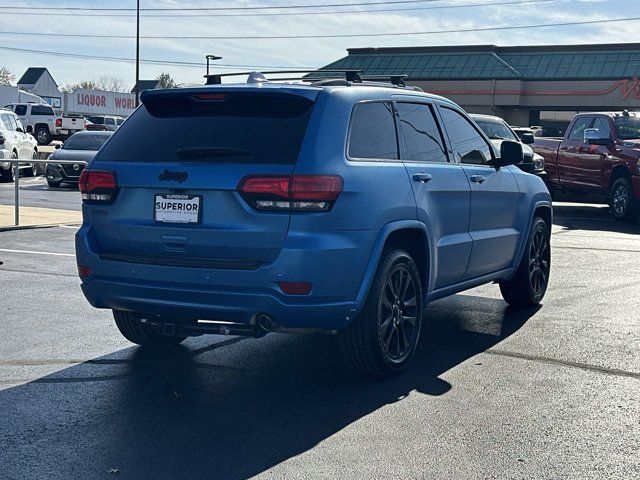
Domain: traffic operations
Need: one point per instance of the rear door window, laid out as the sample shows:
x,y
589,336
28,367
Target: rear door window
x,y
221,127
373,132
41,110
422,141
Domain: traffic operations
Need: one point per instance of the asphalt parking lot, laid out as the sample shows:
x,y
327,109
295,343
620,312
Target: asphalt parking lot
x,y
34,192
493,393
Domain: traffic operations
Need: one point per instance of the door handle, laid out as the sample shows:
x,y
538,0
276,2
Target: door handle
x,y
422,177
477,178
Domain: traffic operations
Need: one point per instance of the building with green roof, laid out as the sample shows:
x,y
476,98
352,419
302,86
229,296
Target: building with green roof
x,y
535,85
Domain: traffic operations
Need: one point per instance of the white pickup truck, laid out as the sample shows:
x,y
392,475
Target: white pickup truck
x,y
42,122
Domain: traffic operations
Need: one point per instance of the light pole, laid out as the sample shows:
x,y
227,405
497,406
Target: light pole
x,y
137,52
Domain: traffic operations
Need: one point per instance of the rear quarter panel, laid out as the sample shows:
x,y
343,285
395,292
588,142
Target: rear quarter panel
x,y
375,193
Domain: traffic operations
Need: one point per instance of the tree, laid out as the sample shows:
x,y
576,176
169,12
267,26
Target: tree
x,y
84,84
111,84
165,81
6,77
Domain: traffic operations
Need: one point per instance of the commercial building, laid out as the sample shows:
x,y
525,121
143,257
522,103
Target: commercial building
x,y
39,81
536,85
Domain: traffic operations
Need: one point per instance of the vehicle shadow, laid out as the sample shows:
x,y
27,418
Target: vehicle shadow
x,y
590,217
227,410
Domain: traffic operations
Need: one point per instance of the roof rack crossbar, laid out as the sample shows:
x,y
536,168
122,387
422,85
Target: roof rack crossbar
x,y
216,79
394,79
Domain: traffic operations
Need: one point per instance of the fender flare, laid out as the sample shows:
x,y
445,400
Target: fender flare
x,y
376,253
523,242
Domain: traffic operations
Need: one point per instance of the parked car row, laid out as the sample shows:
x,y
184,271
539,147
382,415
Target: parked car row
x,y
41,121
104,122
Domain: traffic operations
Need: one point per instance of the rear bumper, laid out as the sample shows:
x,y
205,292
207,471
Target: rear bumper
x,y
335,265
180,302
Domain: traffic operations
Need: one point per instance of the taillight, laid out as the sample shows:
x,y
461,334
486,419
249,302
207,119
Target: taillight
x,y
58,122
98,186
302,193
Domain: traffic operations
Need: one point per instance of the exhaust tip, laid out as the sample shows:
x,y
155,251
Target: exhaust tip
x,y
265,322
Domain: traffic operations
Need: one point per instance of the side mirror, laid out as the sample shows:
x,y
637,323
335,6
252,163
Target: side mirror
x,y
592,137
527,138
58,146
510,154
20,130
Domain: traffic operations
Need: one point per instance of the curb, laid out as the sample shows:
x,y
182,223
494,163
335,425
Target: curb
x,y
33,227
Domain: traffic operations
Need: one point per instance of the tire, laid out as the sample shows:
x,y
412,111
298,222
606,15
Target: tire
x,y
529,284
134,331
9,175
376,342
622,201
35,168
53,184
43,136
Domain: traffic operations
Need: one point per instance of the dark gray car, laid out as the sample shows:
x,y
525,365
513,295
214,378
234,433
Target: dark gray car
x,y
498,131
80,148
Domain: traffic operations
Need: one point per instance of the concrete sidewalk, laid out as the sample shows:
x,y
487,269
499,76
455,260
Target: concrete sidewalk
x,y
30,216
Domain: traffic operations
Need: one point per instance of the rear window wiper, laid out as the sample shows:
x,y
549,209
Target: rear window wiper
x,y
187,153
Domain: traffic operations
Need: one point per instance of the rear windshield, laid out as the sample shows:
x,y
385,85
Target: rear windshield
x,y
213,127
85,142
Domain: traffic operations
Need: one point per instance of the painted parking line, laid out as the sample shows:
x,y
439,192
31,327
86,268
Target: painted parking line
x,y
8,250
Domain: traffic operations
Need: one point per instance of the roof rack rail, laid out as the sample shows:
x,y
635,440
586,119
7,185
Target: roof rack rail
x,y
349,75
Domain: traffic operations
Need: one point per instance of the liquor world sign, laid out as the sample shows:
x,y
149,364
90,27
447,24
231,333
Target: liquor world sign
x,y
100,102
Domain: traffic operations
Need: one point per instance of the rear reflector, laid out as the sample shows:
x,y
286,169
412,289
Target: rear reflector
x,y
291,192
83,271
98,186
296,288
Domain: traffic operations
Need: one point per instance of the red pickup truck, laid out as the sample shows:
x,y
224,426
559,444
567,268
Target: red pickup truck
x,y
599,156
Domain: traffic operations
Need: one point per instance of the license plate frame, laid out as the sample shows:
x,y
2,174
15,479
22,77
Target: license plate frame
x,y
184,198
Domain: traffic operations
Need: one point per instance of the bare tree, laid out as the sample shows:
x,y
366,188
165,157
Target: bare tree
x,y
166,81
6,77
84,84
111,84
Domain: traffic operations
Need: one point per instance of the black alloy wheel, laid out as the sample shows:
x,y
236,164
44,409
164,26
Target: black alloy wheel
x,y
398,315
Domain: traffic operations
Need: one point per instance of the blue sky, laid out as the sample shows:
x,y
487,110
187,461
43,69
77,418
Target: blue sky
x,y
287,52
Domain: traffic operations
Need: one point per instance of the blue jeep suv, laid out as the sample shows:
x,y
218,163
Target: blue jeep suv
x,y
335,206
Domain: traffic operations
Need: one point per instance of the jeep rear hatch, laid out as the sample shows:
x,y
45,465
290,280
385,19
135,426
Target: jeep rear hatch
x,y
177,163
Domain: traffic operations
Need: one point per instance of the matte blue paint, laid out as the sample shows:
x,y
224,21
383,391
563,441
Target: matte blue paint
x,y
473,233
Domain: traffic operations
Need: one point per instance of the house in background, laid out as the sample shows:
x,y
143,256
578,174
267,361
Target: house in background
x,y
38,80
145,85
